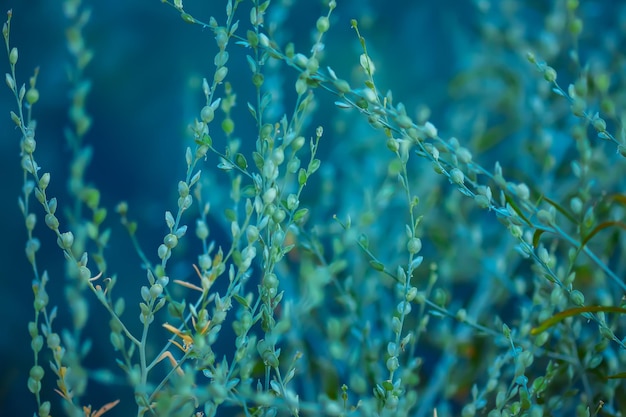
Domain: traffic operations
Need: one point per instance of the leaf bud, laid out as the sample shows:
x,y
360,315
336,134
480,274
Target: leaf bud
x,y
183,189
577,298
13,56
393,363
297,143
456,176
44,181
37,373
202,230
464,155
52,222
66,240
393,145
9,80
545,217
322,24
252,233
54,341
156,290
31,220
170,241
549,74
29,144
52,205
32,96
269,195
220,74
163,251
599,124
206,114
414,245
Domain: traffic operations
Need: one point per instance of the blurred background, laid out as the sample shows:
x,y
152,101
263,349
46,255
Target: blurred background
x,y
146,74
145,77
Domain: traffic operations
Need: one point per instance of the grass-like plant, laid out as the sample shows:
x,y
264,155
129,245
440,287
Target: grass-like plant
x,y
473,272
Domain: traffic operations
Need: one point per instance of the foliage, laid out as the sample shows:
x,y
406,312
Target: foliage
x,y
404,272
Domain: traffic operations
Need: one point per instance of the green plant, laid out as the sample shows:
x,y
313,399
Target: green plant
x,y
413,279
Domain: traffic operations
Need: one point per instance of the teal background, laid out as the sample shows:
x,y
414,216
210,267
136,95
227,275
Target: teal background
x,y
145,70
145,64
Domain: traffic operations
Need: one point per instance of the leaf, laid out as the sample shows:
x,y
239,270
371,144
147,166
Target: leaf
x,y
342,105
187,17
517,209
377,265
314,165
599,227
364,241
620,198
230,215
537,236
225,166
241,301
302,176
387,385
574,312
560,209
251,63
252,111
241,162
105,408
299,215
248,191
265,100
559,92
205,140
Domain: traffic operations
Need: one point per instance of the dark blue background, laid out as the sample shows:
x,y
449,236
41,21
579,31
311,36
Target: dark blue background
x,y
145,70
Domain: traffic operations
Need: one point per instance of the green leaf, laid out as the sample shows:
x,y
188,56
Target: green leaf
x,y
230,215
241,301
248,191
302,176
377,265
314,166
187,17
258,160
387,385
517,209
537,236
300,214
287,249
99,215
241,162
205,140
364,241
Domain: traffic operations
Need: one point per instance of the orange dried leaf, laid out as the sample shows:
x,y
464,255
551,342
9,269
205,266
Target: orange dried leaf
x,y
188,285
173,362
105,408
